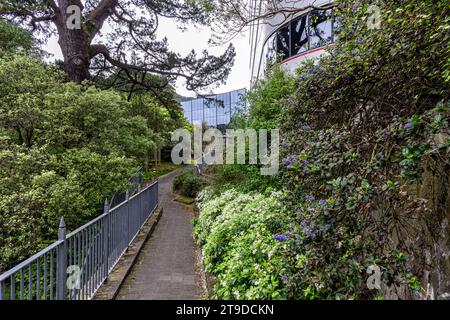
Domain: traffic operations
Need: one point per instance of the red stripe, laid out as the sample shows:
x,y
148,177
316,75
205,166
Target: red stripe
x,y
302,54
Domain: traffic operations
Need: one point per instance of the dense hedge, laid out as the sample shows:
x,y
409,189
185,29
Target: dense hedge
x,y
243,242
64,148
359,129
188,184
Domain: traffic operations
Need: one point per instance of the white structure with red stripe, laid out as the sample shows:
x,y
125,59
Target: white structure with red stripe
x,y
289,41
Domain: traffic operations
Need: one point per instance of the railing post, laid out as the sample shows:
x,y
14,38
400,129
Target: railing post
x,y
106,239
156,196
127,199
137,215
2,290
61,263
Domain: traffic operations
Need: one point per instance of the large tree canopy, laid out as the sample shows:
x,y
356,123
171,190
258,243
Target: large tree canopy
x,y
130,47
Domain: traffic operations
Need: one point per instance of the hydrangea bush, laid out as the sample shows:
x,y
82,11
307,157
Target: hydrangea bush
x,y
240,238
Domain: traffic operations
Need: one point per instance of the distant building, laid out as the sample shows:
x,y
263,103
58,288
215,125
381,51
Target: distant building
x,y
288,42
215,110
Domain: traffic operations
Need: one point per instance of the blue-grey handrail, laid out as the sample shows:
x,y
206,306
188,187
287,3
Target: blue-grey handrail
x,y
76,265
31,259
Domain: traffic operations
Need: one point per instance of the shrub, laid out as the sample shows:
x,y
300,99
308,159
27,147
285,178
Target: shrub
x,y
358,131
159,170
247,177
266,101
238,233
188,184
64,148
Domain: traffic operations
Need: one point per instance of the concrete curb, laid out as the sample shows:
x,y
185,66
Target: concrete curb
x,y
111,287
207,280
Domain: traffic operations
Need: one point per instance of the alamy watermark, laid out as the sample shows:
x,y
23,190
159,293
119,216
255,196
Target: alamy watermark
x,y
73,21
374,17
74,17
209,147
374,280
74,277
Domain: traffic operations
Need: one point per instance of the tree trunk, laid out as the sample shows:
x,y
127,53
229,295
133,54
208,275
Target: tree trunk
x,y
74,45
76,57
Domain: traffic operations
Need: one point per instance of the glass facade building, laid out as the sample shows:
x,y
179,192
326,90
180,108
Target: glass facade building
x,y
214,110
288,40
309,31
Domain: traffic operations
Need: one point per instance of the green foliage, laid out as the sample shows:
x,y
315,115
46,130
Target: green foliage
x,y
188,184
97,119
266,101
236,232
164,114
64,148
160,170
360,130
247,177
37,188
14,39
24,84
236,229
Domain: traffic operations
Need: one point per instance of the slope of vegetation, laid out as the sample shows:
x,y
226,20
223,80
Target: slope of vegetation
x,y
361,130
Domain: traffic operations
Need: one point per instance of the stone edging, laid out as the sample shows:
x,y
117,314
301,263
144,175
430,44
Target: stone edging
x,y
110,288
207,280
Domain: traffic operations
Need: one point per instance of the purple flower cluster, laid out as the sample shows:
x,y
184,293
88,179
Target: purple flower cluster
x,y
304,126
312,230
281,237
285,144
310,198
284,278
408,126
305,165
287,162
322,202
307,229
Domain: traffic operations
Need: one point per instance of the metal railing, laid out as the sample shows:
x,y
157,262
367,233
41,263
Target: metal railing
x,y
134,183
76,265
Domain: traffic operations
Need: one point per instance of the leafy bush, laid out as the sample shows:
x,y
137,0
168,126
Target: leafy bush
x,y
360,128
247,177
64,148
14,39
242,240
266,101
188,184
160,170
359,131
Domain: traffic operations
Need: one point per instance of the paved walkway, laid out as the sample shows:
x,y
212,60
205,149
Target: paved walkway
x,y
165,268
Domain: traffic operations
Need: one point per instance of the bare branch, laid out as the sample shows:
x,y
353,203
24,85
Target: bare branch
x,y
98,16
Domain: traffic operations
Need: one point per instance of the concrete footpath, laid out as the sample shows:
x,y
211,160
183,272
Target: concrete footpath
x,y
165,269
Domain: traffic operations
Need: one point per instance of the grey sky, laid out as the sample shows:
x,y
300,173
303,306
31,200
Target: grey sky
x,y
195,38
